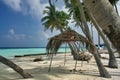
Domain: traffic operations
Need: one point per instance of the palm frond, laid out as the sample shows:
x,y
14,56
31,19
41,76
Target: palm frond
x,y
45,18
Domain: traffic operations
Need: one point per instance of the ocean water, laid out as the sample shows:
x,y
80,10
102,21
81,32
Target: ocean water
x,y
11,52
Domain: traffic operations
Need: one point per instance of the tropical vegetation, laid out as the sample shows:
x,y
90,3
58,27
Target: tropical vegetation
x,y
79,12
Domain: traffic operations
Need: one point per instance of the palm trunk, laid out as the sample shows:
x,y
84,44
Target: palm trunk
x,y
15,67
107,18
102,70
112,59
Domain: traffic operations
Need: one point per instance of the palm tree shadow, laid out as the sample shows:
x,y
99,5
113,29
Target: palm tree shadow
x,y
55,71
115,73
59,71
89,72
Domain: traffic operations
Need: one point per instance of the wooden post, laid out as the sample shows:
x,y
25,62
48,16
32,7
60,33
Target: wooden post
x,y
65,55
50,63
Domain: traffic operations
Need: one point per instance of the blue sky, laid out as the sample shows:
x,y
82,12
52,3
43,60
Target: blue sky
x,y
20,23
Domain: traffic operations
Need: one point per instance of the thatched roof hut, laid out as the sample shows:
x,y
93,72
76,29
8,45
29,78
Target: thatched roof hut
x,y
68,36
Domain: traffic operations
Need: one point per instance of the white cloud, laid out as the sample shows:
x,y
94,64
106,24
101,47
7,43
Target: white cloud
x,y
32,7
13,36
42,37
47,34
35,7
14,4
42,33
63,9
38,37
11,31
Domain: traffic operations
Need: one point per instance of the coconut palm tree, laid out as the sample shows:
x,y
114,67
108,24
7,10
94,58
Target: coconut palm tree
x,y
104,72
59,21
15,67
55,19
112,59
87,33
107,18
49,21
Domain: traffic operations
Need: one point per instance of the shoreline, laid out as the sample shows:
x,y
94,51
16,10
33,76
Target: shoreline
x,y
11,52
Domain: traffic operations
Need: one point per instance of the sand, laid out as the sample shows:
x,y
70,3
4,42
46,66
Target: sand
x,y
59,71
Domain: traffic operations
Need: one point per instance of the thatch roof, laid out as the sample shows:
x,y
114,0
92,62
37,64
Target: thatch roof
x,y
66,36
69,35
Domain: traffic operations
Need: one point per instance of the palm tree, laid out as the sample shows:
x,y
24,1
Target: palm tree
x,y
112,59
102,70
60,24
49,21
58,20
107,18
86,31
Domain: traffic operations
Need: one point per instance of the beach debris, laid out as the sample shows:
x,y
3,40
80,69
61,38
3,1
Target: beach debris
x,y
38,59
18,56
105,58
76,71
73,70
45,62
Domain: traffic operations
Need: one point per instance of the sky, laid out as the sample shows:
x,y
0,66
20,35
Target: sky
x,y
20,23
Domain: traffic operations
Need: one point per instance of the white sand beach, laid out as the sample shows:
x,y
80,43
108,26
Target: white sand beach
x,y
59,71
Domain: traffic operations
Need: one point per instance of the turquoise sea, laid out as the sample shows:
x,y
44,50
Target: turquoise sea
x,y
11,52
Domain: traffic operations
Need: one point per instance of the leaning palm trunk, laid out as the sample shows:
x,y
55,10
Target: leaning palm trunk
x,y
15,67
102,70
107,18
112,59
93,50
